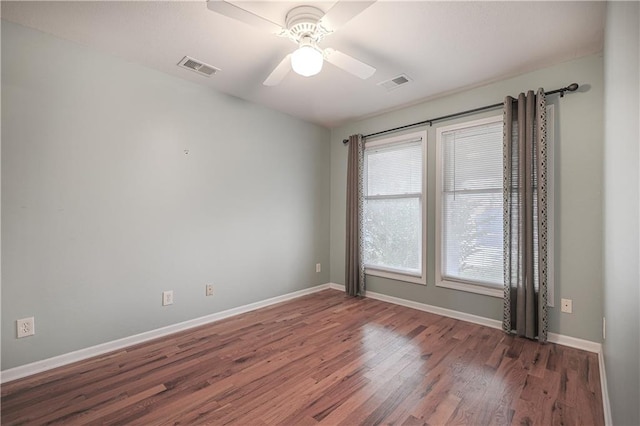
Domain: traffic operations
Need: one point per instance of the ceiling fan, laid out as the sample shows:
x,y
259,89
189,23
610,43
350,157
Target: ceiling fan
x,y
306,26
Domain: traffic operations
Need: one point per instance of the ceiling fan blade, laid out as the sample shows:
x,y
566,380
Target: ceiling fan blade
x,y
342,12
232,11
349,64
279,73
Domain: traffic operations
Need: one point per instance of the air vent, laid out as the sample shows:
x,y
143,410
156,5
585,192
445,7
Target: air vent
x,y
395,82
197,66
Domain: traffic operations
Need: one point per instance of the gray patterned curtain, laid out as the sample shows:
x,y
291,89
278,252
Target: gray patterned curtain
x,y
525,216
354,266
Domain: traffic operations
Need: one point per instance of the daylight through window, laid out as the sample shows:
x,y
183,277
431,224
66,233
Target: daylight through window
x,y
394,207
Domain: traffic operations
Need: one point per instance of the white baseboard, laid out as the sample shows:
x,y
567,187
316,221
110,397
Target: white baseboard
x,y
560,339
336,286
606,404
574,342
428,308
436,310
82,354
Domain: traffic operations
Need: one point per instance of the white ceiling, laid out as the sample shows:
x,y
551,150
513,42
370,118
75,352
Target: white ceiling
x,y
442,46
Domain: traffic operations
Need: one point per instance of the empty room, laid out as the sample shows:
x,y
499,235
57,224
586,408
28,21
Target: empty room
x,y
320,212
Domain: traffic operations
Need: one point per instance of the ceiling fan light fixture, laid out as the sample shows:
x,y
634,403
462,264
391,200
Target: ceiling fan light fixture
x,y
307,60
306,26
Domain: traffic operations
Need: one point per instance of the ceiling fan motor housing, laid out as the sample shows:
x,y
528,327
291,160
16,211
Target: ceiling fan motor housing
x,y
302,22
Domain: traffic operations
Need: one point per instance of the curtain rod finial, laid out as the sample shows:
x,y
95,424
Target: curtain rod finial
x,y
345,141
572,87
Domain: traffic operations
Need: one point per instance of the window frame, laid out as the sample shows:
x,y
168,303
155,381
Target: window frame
x,y
394,274
476,287
464,285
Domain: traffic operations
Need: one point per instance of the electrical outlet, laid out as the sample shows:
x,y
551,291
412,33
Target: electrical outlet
x,y
318,267
167,298
566,305
25,327
209,290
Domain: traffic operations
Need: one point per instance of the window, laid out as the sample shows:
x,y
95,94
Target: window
x,y
394,231
469,206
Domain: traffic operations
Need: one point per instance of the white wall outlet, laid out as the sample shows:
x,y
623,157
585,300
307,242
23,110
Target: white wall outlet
x,y
209,290
566,305
318,267
167,298
26,327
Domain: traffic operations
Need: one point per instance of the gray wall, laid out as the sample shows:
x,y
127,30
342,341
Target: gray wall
x,y
578,174
621,210
102,210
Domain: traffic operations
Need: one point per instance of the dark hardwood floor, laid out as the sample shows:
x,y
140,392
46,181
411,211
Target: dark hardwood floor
x,y
323,358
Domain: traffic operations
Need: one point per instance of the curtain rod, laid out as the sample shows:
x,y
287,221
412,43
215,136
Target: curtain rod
x,y
570,88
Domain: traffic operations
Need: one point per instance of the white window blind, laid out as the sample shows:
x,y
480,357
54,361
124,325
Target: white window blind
x,y
469,211
471,202
393,206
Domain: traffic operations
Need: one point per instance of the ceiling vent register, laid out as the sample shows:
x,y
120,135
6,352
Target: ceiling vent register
x,y
198,66
395,82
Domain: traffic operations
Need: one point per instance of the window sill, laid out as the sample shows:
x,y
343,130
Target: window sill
x,y
396,276
470,288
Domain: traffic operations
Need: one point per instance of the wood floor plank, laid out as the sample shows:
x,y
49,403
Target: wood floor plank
x,y
444,410
323,359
